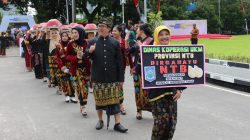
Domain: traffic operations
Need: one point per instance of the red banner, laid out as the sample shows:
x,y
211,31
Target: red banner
x,y
159,5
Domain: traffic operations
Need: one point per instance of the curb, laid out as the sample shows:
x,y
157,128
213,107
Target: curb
x,y
228,63
228,79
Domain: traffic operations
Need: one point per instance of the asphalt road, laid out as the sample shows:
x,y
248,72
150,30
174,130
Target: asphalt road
x,y
29,110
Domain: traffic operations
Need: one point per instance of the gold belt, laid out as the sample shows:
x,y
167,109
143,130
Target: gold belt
x,y
161,96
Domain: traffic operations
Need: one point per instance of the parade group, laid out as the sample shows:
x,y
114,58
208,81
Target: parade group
x,y
79,60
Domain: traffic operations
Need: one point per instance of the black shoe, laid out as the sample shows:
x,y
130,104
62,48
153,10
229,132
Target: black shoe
x,y
138,116
99,125
118,127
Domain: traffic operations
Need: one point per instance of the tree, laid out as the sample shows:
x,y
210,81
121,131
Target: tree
x,y
101,8
22,5
232,17
155,20
131,12
46,9
207,11
171,9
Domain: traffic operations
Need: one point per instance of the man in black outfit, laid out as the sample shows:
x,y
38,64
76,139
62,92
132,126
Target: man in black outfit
x,y
106,74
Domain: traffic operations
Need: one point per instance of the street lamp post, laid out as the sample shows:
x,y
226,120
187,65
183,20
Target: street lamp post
x,y
145,11
67,9
73,10
246,26
123,2
219,16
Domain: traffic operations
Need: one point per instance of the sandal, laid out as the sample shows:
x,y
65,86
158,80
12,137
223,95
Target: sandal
x,y
59,92
49,83
123,112
83,112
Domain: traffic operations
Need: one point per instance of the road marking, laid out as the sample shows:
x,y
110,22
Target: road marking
x,y
32,122
223,89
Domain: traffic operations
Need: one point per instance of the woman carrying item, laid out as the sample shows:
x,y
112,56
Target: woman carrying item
x,y
36,50
141,96
65,81
119,36
79,66
52,60
91,32
164,100
27,51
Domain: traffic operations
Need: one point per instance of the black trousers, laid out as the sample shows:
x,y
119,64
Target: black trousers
x,y
115,109
194,40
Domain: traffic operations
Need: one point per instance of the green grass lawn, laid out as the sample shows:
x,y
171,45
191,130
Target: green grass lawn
x,y
235,49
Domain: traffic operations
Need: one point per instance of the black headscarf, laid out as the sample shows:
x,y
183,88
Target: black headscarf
x,y
65,43
81,39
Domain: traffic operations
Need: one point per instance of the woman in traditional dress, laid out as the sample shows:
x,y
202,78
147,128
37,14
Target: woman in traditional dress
x,y
91,31
36,50
50,57
27,51
141,96
119,36
79,66
3,44
164,100
65,79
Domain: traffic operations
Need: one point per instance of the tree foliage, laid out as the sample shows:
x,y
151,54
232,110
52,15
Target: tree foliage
x,y
206,11
155,20
232,19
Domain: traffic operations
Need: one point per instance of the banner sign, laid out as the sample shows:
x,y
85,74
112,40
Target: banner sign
x,y
184,27
16,19
172,66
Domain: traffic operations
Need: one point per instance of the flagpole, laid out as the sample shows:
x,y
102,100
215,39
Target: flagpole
x,y
123,14
67,9
219,15
145,11
73,11
246,26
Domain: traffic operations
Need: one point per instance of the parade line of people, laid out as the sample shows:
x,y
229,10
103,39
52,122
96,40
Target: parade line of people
x,y
79,60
